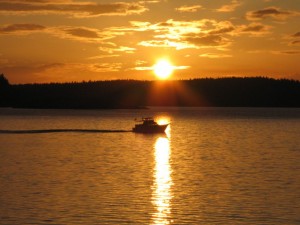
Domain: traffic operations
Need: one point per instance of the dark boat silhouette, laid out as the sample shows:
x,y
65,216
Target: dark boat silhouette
x,y
148,125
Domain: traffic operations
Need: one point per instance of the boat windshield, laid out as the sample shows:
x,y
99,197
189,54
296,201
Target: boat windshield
x,y
148,122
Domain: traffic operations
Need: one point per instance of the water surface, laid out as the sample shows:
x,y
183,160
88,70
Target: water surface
x,y
214,166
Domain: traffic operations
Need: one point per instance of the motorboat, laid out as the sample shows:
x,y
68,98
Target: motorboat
x,y
148,125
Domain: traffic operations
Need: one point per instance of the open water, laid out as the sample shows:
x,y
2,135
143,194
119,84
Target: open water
x,y
214,166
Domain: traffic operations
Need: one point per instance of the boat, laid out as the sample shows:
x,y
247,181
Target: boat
x,y
148,125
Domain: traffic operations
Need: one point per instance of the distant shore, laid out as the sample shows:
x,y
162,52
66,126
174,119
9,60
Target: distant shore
x,y
135,94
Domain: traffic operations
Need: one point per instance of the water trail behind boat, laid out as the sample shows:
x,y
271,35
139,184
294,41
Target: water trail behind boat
x,y
61,131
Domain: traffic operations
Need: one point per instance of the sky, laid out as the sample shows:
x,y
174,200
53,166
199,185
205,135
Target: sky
x,y
45,41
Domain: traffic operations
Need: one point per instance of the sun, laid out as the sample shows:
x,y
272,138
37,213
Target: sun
x,y
163,69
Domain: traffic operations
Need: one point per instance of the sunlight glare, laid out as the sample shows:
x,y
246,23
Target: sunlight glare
x,y
163,69
162,121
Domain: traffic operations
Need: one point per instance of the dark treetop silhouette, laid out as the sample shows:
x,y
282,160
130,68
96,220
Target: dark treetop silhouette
x,y
220,92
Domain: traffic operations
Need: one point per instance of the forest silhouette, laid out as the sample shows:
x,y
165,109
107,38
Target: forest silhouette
x,y
115,94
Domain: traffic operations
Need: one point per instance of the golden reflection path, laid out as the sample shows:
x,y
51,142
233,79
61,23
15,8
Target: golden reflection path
x,y
162,182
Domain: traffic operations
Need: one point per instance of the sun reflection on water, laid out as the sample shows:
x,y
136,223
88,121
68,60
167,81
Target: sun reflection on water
x,y
162,184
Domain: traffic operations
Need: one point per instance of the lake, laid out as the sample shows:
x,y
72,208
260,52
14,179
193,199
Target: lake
x,y
213,166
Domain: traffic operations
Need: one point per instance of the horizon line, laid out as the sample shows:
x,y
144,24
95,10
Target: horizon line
x,y
159,80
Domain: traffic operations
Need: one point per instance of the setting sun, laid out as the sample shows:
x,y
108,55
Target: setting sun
x,y
163,69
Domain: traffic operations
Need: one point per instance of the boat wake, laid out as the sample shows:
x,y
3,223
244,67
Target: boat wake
x,y
61,131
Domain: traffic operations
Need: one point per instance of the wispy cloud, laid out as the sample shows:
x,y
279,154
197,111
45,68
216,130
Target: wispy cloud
x,y
209,40
73,8
254,29
288,52
183,34
97,57
178,35
186,8
105,67
215,55
22,28
296,35
223,27
294,39
101,37
230,7
115,49
64,72
294,43
82,34
150,68
195,34
178,45
271,12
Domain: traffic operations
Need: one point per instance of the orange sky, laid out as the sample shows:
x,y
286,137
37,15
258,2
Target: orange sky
x,y
75,40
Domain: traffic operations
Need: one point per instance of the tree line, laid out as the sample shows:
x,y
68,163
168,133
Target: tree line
x,y
205,92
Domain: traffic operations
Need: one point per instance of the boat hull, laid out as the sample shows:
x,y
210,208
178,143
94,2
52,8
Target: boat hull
x,y
150,129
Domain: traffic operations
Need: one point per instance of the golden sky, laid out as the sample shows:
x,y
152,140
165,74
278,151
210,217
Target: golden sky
x,y
75,40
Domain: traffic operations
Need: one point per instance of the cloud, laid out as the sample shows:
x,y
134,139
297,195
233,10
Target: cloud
x,y
296,35
104,67
182,34
66,32
192,8
97,57
73,8
22,28
62,72
254,29
288,52
191,41
170,26
30,72
201,33
150,68
178,45
271,12
230,7
222,27
82,32
296,42
93,67
215,55
294,39
115,49
257,51
37,1
210,40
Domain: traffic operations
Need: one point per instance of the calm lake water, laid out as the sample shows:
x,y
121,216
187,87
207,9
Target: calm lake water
x,y
214,166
